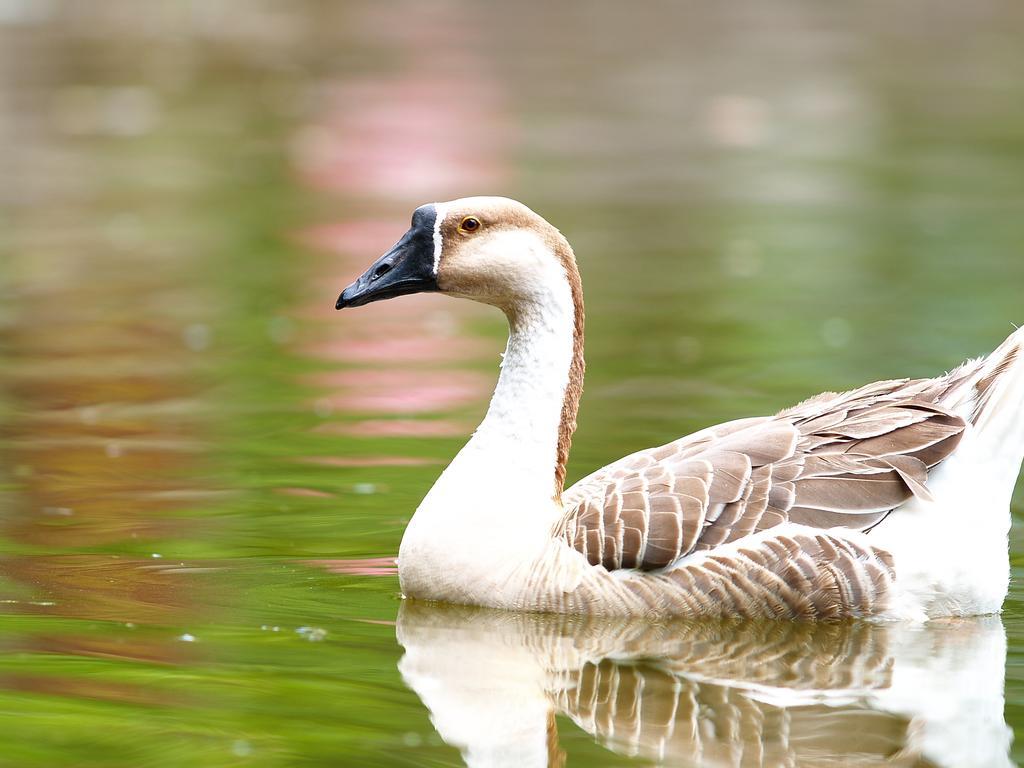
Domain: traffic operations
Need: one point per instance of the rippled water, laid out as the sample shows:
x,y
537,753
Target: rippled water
x,y
205,471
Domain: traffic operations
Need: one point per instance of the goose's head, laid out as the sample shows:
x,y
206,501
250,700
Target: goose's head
x,y
489,249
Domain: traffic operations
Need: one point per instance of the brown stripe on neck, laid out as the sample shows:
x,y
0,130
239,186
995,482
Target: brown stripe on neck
x,y
574,388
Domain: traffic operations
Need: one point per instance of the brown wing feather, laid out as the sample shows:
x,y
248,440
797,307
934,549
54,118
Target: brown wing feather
x,y
835,460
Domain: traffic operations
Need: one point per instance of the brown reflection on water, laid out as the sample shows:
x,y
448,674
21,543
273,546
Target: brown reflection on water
x,y
103,446
126,645
107,588
99,461
104,334
104,434
100,690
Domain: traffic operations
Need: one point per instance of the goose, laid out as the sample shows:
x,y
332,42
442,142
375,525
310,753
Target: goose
x,y
890,501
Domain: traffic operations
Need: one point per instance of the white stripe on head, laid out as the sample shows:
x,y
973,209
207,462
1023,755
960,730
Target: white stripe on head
x,y
440,210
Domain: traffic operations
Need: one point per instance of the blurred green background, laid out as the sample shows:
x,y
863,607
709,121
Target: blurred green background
x,y
205,472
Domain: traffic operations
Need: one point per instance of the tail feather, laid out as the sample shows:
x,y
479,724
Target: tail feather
x,y
1001,385
989,394
990,388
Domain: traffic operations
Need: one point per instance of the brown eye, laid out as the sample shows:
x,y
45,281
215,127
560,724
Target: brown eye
x,y
470,224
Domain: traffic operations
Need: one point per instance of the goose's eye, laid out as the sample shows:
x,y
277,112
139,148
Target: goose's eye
x,y
470,224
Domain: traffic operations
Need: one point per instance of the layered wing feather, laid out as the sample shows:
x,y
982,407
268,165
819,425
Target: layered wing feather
x,y
841,460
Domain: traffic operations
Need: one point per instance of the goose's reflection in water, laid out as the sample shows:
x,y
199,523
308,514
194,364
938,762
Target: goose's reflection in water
x,y
721,693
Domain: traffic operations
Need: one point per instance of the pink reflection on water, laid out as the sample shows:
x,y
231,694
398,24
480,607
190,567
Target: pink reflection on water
x,y
401,391
309,493
413,136
432,129
396,428
389,350
367,461
370,566
361,238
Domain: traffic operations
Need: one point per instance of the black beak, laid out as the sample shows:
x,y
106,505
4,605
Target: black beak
x,y
407,268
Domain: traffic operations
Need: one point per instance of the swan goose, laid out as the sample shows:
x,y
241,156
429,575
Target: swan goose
x,y
888,501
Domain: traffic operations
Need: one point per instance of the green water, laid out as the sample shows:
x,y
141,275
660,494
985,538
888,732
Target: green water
x,y
204,470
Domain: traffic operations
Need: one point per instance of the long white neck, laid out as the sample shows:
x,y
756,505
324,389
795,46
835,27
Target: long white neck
x,y
497,501
518,438
512,456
